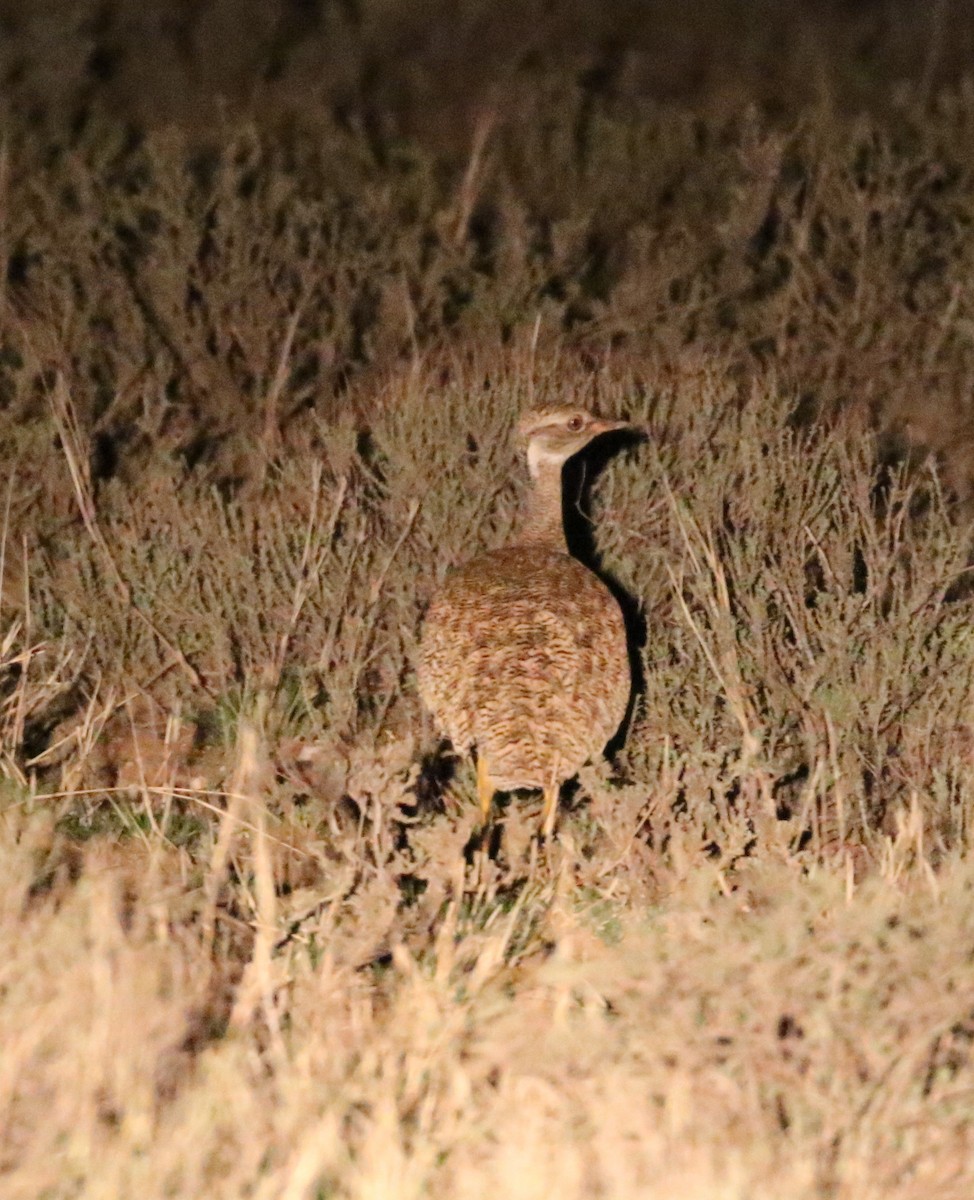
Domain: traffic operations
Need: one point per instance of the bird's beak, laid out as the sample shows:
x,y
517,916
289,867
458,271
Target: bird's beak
x,y
605,426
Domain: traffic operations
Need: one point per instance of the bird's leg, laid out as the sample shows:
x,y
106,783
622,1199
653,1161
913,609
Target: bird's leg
x,y
549,810
485,787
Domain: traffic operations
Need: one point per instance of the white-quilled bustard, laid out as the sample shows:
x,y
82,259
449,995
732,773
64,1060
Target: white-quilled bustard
x,y
523,651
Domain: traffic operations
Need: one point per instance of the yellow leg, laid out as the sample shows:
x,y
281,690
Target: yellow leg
x,y
485,788
549,810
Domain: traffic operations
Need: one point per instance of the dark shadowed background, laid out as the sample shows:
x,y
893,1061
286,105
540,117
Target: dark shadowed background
x,y
426,67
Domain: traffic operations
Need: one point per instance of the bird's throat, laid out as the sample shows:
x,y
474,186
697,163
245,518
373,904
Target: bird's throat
x,y
543,524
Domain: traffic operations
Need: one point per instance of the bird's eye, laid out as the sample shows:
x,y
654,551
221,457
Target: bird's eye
x,y
575,423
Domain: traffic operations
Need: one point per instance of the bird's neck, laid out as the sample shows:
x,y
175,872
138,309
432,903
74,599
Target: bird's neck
x,y
544,524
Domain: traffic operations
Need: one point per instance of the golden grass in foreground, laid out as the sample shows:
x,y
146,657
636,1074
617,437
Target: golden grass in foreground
x,y
774,1031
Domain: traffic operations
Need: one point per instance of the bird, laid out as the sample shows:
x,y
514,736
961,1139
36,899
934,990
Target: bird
x,y
523,652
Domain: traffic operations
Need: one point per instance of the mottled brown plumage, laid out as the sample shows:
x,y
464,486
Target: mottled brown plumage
x,y
523,653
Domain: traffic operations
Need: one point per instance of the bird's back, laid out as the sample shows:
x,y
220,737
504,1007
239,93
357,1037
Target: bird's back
x,y
524,654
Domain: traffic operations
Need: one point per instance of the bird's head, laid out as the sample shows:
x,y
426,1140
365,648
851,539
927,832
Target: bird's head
x,y
554,435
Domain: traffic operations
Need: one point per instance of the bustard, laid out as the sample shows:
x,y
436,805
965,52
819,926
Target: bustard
x,y
523,651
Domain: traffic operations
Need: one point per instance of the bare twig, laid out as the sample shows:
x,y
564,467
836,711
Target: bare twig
x,y
302,584
272,401
467,197
257,987
71,443
379,581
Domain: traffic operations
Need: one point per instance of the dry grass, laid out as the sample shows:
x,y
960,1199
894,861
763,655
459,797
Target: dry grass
x,y
250,950
257,389
776,1029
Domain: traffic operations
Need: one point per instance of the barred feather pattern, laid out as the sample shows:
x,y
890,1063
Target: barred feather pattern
x,y
523,655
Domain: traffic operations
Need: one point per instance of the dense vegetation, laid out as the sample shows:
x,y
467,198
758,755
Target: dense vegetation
x,y
277,280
